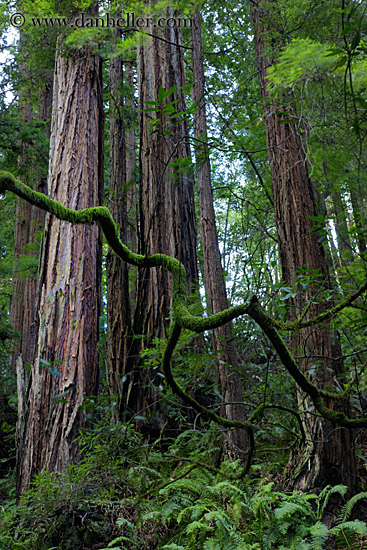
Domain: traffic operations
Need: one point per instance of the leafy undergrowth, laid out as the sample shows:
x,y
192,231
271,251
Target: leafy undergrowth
x,y
128,495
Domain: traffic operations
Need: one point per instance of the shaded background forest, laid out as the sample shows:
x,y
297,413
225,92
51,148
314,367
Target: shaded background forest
x,y
232,139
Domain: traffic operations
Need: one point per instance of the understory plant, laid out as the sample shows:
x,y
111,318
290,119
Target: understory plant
x,y
126,494
205,511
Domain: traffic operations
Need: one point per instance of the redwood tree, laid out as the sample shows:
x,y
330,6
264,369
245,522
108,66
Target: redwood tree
x,y
228,375
167,212
29,220
118,303
328,454
65,365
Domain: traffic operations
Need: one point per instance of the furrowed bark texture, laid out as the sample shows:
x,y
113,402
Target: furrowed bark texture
x,y
118,302
65,366
29,224
228,376
132,195
329,454
167,212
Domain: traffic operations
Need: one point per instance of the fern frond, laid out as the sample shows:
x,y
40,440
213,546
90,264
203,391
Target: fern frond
x,y
319,533
326,494
169,509
193,512
198,526
219,517
358,527
225,487
188,485
287,509
346,510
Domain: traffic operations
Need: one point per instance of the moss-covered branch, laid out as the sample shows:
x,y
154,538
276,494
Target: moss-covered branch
x,y
102,216
183,317
328,314
207,413
267,325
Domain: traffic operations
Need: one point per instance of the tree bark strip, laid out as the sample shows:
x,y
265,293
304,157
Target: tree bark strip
x,y
29,223
65,366
228,375
118,302
132,195
167,211
329,454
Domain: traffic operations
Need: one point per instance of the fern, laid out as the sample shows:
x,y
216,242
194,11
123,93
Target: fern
x,y
346,510
347,533
319,533
169,510
206,512
288,509
325,495
195,526
356,526
194,512
191,486
225,487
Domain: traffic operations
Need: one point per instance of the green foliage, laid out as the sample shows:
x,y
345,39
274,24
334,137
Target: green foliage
x,y
127,495
204,511
172,490
303,59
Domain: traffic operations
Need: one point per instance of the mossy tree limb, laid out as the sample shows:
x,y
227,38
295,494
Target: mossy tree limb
x,y
183,317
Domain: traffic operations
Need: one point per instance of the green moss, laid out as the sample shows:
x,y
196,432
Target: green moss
x,y
183,317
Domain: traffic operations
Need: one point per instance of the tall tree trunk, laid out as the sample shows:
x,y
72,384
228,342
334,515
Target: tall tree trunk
x,y
132,196
167,213
228,375
118,303
328,456
29,222
65,366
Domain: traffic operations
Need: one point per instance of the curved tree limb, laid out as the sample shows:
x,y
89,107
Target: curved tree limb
x,y
261,409
336,417
183,317
328,314
207,413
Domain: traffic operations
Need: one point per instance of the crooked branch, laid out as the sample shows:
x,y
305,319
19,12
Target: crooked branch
x,y
184,318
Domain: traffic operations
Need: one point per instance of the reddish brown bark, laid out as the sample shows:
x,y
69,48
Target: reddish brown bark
x,y
65,366
118,303
328,455
228,376
132,195
167,213
29,225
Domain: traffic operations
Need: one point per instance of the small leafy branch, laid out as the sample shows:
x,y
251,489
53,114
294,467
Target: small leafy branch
x,y
160,107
